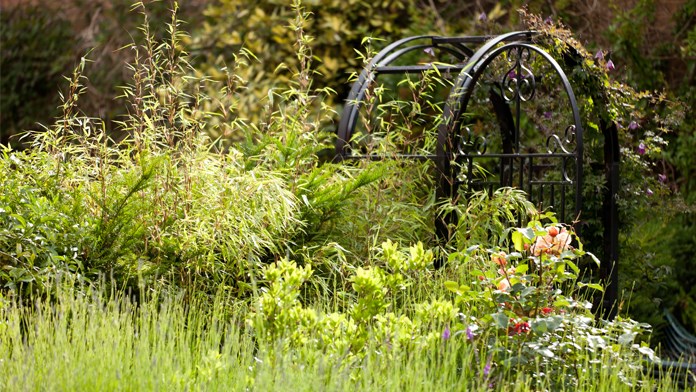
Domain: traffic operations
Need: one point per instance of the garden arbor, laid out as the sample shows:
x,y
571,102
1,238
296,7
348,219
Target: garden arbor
x,y
500,112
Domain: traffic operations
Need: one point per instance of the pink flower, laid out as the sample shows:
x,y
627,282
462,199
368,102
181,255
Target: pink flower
x,y
500,259
641,148
552,244
504,285
610,66
599,55
662,178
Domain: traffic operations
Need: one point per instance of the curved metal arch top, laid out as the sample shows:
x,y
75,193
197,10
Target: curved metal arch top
x,y
380,63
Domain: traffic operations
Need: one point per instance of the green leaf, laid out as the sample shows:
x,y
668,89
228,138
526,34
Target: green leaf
x,y
540,326
517,240
594,286
595,259
501,320
452,286
554,322
627,338
573,266
529,233
522,269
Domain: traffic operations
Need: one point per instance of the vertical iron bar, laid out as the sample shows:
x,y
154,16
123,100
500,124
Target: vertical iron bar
x,y
529,179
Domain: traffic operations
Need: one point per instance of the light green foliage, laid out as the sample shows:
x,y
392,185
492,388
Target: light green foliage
x,y
336,29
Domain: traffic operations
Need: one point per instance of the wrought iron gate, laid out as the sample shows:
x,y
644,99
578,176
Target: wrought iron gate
x,y
509,83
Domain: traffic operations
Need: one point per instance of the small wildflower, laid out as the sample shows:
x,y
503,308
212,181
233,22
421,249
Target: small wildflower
x,y
546,310
649,192
610,66
512,75
548,20
446,333
547,115
599,55
633,126
429,51
662,178
641,148
487,368
482,17
469,333
504,285
519,328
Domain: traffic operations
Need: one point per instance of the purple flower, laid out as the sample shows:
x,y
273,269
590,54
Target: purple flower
x,y
547,115
599,55
429,51
512,74
610,66
548,20
641,148
469,333
487,368
662,178
483,17
633,126
446,333
649,192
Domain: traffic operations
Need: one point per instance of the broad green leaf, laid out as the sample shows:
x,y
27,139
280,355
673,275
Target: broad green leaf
x,y
452,286
501,320
540,326
627,338
517,240
522,269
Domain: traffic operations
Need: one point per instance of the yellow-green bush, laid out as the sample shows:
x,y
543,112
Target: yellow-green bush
x,y
337,29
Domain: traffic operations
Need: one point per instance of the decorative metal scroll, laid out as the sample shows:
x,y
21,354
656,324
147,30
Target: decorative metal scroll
x,y
550,173
495,131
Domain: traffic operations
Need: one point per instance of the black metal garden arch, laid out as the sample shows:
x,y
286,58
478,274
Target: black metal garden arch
x,y
537,147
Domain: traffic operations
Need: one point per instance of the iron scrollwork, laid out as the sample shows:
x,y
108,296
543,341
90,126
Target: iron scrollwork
x,y
470,143
519,81
554,142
